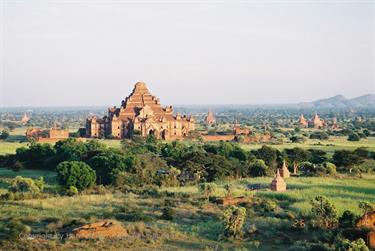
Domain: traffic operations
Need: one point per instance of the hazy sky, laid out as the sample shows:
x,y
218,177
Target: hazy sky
x,y
82,52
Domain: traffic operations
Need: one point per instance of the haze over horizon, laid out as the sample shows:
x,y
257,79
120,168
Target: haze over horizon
x,y
92,53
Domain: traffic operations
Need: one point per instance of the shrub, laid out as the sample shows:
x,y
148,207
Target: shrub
x,y
257,168
75,173
319,135
357,245
228,189
4,134
233,221
108,164
347,219
207,189
72,191
168,213
17,166
324,213
15,230
366,207
354,137
25,185
330,168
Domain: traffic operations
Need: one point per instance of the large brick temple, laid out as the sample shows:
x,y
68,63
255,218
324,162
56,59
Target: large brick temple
x,y
140,114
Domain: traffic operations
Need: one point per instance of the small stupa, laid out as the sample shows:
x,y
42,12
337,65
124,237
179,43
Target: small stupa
x,y
278,184
284,171
302,121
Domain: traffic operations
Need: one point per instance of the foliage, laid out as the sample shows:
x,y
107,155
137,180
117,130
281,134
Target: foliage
x,y
324,213
26,185
366,207
207,189
15,229
4,134
268,154
36,155
319,135
347,245
354,137
233,221
75,173
108,164
257,168
71,191
168,213
348,219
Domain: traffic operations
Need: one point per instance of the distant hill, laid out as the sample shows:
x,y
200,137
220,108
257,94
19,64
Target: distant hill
x,y
339,101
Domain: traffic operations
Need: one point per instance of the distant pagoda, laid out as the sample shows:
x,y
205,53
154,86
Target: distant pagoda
x,y
302,121
278,184
210,118
284,171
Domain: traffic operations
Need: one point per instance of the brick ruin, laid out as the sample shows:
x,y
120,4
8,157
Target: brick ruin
x,y
278,183
315,122
140,114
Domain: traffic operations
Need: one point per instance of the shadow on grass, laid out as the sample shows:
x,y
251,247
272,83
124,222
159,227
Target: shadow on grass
x,y
359,190
186,245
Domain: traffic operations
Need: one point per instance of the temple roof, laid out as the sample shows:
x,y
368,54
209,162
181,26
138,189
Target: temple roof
x,y
140,103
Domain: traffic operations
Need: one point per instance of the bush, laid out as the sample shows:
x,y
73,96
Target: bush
x,y
233,221
75,173
72,191
357,245
4,134
26,185
15,230
354,137
207,189
330,168
108,164
319,135
168,213
257,168
348,219
324,213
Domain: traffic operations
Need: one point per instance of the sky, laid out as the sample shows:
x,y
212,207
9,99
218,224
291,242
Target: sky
x,y
84,53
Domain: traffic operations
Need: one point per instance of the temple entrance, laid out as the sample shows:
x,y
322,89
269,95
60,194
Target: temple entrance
x,y
151,132
164,134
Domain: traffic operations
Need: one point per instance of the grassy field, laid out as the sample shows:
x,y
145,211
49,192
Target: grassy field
x,y
334,143
197,223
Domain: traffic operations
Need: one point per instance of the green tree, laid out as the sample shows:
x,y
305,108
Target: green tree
x,y
233,221
345,158
354,137
366,207
257,168
347,245
319,135
24,185
347,219
4,134
268,154
324,213
108,164
75,173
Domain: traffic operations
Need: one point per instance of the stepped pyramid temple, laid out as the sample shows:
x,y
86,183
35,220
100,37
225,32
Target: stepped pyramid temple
x,y
140,114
